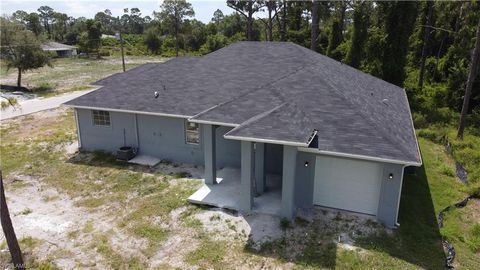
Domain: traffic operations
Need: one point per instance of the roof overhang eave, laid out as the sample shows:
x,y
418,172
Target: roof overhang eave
x,y
362,157
260,140
127,111
207,122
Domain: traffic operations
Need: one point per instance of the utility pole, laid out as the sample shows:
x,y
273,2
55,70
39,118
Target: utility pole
x,y
121,48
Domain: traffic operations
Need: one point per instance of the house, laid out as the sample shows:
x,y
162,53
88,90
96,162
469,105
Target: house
x,y
335,136
62,50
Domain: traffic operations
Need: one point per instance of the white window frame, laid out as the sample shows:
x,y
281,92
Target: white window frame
x,y
194,132
107,122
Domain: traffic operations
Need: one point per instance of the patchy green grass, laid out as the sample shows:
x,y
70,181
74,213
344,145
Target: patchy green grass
x,y
210,254
143,200
25,211
72,74
115,259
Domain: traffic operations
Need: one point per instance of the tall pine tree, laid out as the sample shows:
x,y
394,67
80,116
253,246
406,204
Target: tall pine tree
x,y
399,24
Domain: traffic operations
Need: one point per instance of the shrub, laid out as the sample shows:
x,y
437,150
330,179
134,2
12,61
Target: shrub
x,y
43,87
104,52
445,170
473,240
419,120
214,43
10,101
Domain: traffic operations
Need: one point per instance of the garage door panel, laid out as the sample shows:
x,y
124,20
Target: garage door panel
x,y
348,184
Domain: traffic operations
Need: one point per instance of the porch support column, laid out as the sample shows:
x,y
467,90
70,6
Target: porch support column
x,y
260,168
246,186
210,154
288,182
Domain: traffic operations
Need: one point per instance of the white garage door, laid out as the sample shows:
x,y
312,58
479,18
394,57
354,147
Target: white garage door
x,y
347,184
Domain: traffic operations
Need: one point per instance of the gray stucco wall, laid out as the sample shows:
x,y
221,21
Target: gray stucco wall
x,y
228,151
390,194
106,138
162,137
304,178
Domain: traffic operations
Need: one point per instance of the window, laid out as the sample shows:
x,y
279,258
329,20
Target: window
x,y
101,118
192,134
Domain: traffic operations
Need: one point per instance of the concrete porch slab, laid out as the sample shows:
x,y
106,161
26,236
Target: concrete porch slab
x,y
225,194
145,160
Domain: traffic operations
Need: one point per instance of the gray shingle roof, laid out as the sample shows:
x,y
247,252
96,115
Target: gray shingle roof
x,y
272,91
55,46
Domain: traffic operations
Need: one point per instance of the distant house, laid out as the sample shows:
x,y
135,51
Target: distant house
x,y
62,50
332,135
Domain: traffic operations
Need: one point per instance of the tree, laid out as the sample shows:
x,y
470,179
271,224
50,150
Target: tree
x,y
315,29
399,23
20,48
173,14
46,14
336,34
59,26
90,40
105,18
283,20
214,43
472,74
152,40
20,16
8,230
33,23
361,20
246,8
426,37
217,17
272,13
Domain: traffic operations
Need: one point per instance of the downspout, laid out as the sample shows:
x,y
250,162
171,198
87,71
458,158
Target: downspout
x,y
399,196
78,129
136,131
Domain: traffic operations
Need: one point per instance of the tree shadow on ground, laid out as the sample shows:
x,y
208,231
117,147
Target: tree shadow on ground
x,y
418,239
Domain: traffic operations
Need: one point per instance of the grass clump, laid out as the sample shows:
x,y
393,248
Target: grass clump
x,y
29,242
473,239
10,101
26,211
115,259
93,202
285,224
210,254
88,227
152,232
446,170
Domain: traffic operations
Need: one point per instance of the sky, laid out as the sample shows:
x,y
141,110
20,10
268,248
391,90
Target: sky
x,y
88,8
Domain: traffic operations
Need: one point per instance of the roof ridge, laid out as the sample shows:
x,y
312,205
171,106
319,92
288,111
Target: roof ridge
x,y
256,118
262,115
258,88
362,114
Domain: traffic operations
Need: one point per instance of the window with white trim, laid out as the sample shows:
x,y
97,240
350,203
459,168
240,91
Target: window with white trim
x,y
192,133
101,118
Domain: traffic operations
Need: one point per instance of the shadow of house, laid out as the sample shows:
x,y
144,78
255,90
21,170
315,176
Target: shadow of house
x,y
418,239
315,249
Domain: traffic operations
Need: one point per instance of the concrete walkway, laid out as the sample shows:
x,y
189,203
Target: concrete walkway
x,y
225,193
39,104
